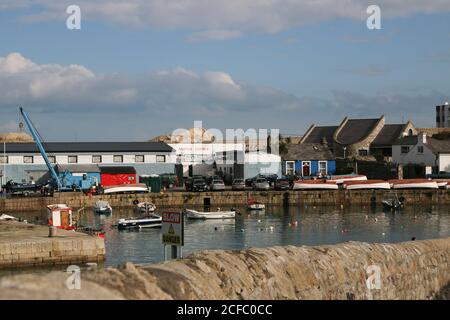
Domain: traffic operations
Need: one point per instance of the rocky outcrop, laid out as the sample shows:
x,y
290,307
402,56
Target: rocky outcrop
x,y
411,270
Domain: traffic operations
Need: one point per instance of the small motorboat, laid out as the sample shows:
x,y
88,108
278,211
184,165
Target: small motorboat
x,y
413,184
5,217
126,188
339,179
392,202
255,205
315,185
145,207
368,184
151,221
102,207
193,214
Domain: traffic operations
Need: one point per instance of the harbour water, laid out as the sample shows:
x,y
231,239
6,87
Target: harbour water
x,y
275,226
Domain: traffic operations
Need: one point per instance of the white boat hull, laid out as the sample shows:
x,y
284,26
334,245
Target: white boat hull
x,y
257,206
123,189
380,185
315,186
417,185
340,180
193,214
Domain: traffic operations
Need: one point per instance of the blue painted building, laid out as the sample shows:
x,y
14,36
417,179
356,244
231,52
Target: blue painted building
x,y
309,160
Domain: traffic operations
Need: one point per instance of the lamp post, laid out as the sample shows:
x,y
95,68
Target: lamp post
x,y
345,148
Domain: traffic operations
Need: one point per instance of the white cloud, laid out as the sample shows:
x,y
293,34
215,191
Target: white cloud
x,y
225,19
214,35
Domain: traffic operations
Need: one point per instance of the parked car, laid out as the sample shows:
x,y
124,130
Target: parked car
x,y
270,178
169,180
238,184
217,185
261,184
189,181
282,184
199,185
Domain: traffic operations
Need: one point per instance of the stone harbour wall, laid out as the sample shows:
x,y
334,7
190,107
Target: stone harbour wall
x,y
229,198
26,245
410,270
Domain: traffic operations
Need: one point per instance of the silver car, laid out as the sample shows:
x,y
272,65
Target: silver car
x,y
217,185
261,184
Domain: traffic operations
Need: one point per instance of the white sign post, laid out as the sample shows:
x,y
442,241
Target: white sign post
x,y
173,233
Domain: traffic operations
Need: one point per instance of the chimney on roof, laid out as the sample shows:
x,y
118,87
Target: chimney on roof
x,y
423,137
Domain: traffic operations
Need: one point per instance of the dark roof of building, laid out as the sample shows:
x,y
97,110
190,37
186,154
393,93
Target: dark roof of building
x,y
95,147
308,151
435,145
388,135
406,141
118,170
318,133
355,130
77,168
438,146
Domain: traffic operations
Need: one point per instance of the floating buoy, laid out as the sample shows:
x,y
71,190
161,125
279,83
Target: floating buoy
x,y
271,228
383,234
259,221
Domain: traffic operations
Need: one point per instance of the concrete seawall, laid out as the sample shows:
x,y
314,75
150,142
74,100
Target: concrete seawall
x,y
27,245
231,198
410,270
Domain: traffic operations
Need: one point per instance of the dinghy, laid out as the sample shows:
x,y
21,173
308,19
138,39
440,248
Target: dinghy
x,y
255,205
413,184
339,179
193,214
315,185
145,207
442,184
152,221
102,207
368,184
6,217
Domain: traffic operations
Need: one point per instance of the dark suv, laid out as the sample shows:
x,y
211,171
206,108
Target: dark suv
x,y
282,184
196,184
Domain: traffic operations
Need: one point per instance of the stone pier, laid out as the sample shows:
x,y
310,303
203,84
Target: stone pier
x,y
27,245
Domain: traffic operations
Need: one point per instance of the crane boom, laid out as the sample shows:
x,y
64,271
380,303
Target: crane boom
x,y
38,142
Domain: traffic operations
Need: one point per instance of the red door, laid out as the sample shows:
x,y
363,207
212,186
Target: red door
x,y
306,169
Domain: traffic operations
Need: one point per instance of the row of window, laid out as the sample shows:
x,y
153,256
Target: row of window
x,y
405,149
95,159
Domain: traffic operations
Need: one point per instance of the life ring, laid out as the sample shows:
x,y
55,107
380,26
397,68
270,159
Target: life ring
x,y
373,199
135,202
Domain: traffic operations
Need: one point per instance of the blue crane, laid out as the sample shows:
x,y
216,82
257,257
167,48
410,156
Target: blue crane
x,y
38,141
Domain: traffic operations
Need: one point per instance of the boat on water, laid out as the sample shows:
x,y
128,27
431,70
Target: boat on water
x,y
255,205
102,207
151,221
315,185
5,217
392,202
60,216
367,184
339,179
126,188
194,214
145,207
413,184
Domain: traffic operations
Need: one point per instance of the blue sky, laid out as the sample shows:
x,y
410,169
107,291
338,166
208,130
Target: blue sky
x,y
137,81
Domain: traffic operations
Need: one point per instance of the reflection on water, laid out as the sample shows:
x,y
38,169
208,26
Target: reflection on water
x,y
275,226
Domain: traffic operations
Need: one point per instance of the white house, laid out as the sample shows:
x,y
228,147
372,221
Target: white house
x,y
434,154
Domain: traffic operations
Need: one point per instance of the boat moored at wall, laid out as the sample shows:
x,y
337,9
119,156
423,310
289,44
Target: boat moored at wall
x,y
413,184
315,185
194,214
368,184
